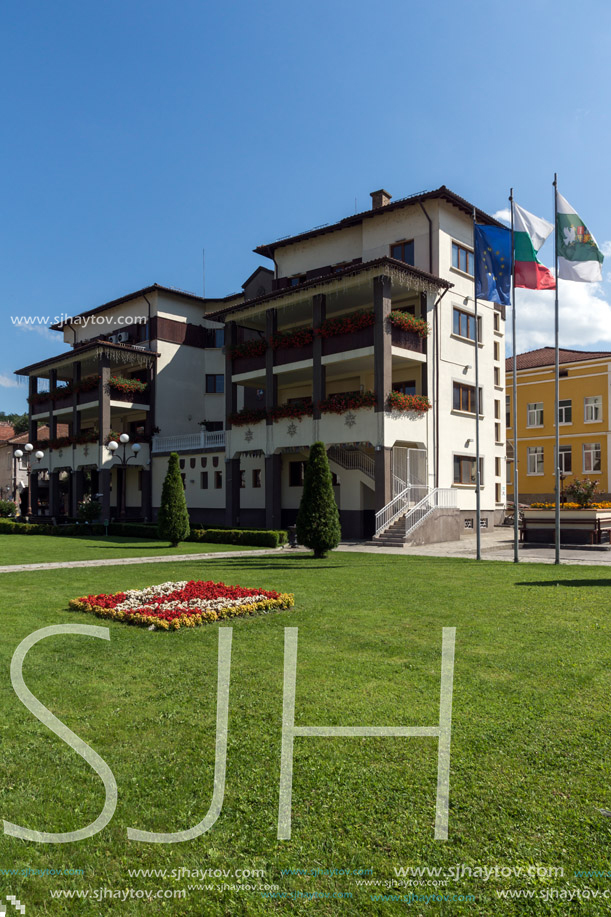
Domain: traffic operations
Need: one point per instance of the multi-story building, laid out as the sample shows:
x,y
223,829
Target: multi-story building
x,y
584,414
363,336
145,364
305,350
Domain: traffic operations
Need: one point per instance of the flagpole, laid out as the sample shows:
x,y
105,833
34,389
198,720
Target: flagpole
x,y
478,509
556,379
516,495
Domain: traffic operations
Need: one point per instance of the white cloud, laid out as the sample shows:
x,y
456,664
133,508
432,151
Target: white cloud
x,y
504,214
45,332
606,249
584,317
8,381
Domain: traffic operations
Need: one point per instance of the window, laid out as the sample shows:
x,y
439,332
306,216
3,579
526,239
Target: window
x,y
591,457
182,463
403,251
203,480
219,337
593,409
203,462
218,480
534,414
497,493
463,324
462,258
534,456
497,409
192,462
464,470
215,384
256,477
497,433
566,459
406,388
497,321
497,467
497,376
215,461
565,411
508,411
296,280
296,470
242,478
464,398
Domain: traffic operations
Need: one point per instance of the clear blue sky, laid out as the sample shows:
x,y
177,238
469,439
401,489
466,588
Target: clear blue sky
x,y
135,134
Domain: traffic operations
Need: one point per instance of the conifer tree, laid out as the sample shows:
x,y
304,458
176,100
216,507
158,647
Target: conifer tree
x,y
173,518
318,517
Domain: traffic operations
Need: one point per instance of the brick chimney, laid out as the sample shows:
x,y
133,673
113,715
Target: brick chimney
x,y
379,199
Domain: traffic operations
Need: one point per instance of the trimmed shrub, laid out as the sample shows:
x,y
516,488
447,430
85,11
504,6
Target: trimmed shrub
x,y
318,517
8,509
173,519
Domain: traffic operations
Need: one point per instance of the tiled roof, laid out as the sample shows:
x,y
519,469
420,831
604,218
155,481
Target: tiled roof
x,y
6,431
43,433
546,356
441,193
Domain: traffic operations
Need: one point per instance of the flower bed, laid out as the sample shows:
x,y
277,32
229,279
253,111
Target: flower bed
x,y
170,606
407,322
296,411
570,506
127,386
397,401
346,324
62,442
300,338
254,348
347,401
246,417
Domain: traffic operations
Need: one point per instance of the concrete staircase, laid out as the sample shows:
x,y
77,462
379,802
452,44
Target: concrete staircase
x,y
393,537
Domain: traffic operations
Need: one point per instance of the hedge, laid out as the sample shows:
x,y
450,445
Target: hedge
x,y
213,535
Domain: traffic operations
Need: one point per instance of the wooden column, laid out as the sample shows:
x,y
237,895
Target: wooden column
x,y
273,491
76,417
271,381
104,490
32,424
382,340
53,493
52,415
151,378
319,311
103,399
231,390
232,492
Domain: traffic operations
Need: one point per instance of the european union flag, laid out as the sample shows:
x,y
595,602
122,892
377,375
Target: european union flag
x,y
492,263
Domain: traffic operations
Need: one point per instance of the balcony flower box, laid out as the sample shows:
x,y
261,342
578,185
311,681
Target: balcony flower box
x,y
418,404
293,411
348,401
247,417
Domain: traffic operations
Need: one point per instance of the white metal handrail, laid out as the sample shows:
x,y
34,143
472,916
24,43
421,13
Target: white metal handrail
x,y
353,460
387,515
439,498
186,442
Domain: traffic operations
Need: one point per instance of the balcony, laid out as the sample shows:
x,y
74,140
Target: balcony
x,y
189,442
362,425
82,455
62,403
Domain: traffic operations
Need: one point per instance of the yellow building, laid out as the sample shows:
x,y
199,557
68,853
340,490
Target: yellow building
x,y
585,423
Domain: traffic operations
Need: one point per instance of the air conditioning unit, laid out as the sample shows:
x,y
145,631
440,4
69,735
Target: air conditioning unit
x,y
123,337
113,338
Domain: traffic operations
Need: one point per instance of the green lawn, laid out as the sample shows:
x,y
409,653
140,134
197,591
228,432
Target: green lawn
x,y
38,549
531,744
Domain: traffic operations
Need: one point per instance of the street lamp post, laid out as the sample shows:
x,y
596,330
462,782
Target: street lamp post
x,y
38,455
123,459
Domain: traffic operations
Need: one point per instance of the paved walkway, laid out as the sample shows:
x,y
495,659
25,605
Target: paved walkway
x,y
496,545
113,562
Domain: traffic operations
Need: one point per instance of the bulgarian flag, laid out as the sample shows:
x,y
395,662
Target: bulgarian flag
x,y
529,234
579,257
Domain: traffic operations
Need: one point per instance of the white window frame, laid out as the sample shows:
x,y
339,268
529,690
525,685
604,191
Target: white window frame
x,y
565,450
533,408
592,405
568,404
591,450
536,453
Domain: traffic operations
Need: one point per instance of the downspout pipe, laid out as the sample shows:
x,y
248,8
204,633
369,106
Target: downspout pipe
x,y
430,222
437,362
